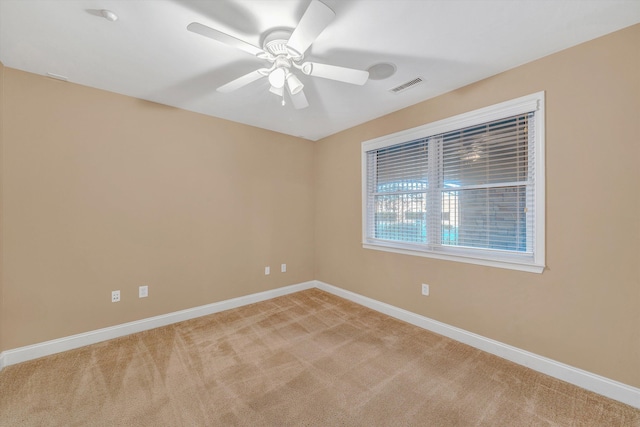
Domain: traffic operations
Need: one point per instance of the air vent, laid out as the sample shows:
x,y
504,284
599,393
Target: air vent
x,y
407,85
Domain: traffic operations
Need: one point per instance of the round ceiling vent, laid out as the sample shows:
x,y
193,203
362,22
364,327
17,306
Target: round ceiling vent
x,y
381,71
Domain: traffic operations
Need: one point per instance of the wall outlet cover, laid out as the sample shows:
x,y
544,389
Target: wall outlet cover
x,y
425,289
143,291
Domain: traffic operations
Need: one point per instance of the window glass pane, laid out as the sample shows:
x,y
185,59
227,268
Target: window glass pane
x,y
400,217
495,152
491,218
450,215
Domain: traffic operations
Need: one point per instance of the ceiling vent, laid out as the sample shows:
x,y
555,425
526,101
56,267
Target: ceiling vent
x,y
407,85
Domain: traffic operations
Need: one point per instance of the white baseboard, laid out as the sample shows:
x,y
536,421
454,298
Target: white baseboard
x,y
30,352
596,383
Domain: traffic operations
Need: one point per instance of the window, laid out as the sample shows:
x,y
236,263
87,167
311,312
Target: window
x,y
469,188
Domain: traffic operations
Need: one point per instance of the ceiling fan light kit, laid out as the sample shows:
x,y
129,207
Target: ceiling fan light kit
x,y
294,84
276,77
285,51
279,91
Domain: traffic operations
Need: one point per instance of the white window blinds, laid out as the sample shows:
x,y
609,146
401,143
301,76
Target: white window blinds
x,y
468,192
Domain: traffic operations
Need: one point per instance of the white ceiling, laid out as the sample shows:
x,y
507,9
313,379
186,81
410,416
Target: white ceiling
x,y
148,53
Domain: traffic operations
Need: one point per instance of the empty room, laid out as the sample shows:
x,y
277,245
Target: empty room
x,y
319,213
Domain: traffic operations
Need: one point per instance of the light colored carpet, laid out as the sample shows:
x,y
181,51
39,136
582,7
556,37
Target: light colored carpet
x,y
306,359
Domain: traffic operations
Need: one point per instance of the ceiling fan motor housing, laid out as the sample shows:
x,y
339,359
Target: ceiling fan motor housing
x,y
275,43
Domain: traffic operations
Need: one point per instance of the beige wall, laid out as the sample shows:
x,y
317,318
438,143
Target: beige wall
x,y
584,310
104,192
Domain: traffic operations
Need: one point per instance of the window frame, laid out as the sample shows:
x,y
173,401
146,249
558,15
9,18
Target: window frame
x,y
493,258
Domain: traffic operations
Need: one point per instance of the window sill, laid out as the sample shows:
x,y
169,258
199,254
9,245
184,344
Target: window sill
x,y
510,264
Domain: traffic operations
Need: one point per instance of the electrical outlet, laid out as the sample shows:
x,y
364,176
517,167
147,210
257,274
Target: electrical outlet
x,y
425,289
267,271
283,268
143,291
115,296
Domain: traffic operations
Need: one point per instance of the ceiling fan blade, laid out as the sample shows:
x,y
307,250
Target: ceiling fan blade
x,y
242,81
209,32
315,19
299,101
334,72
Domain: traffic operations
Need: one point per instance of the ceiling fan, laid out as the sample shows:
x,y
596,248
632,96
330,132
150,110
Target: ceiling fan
x,y
284,50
